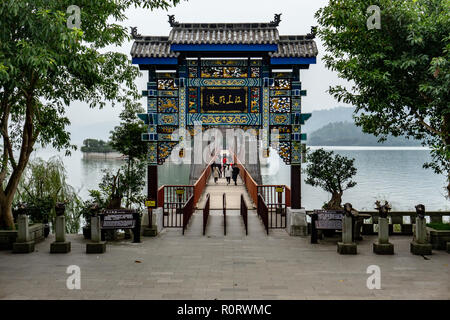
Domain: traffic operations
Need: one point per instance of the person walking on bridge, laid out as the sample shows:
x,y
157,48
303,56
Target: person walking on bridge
x,y
235,174
216,173
227,171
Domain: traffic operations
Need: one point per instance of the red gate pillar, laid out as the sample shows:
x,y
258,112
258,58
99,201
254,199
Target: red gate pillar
x,y
296,187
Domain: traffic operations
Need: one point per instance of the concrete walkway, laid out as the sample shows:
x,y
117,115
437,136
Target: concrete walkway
x,y
257,266
233,194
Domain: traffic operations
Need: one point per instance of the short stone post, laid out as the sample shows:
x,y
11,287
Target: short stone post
x,y
383,246
347,246
152,223
420,245
150,230
296,224
60,245
96,245
23,242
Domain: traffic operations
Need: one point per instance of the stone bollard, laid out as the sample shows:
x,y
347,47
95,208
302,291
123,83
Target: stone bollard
x,y
420,245
347,246
296,224
152,227
96,245
23,243
383,246
60,245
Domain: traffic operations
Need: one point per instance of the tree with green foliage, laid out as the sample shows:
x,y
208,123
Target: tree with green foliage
x,y
45,65
94,145
127,139
400,73
43,184
333,173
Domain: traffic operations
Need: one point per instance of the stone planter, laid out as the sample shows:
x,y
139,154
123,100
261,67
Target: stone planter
x,y
8,237
438,238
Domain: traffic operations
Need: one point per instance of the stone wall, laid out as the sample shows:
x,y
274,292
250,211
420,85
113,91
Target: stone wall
x,y
8,237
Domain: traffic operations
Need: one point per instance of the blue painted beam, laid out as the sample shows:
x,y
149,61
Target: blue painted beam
x,y
224,47
305,117
143,117
312,60
155,61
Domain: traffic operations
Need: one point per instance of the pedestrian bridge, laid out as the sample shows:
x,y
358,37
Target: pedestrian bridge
x,y
207,207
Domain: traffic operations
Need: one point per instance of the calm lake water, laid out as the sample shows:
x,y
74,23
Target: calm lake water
x,y
393,174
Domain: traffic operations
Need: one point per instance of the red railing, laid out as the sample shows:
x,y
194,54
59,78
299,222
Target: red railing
x,y
275,199
200,184
173,198
250,184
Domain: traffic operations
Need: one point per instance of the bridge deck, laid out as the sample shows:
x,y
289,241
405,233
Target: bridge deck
x,y
233,194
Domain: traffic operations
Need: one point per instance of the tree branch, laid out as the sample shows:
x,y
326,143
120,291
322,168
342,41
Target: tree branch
x,y
426,125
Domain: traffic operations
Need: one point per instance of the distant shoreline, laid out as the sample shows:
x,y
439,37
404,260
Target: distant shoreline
x,y
392,148
103,155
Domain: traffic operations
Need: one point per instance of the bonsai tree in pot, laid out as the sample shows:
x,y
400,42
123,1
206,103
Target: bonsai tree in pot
x,y
333,173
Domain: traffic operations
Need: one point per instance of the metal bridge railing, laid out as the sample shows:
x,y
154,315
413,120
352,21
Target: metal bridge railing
x,y
244,214
263,212
206,213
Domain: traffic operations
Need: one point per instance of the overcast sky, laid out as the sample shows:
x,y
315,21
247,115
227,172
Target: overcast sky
x,y
297,18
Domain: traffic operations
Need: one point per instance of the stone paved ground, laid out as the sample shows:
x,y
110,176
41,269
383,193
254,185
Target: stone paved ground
x,y
232,267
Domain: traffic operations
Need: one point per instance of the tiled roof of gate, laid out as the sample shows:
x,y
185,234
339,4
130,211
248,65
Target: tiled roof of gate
x,y
235,33
296,47
152,47
226,33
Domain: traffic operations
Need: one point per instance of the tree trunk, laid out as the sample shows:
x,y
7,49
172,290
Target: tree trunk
x,y
115,203
6,216
448,185
335,202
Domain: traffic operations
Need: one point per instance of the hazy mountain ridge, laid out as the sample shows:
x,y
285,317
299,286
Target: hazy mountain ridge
x,y
321,118
348,134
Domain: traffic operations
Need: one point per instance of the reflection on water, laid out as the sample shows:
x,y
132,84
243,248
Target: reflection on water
x,y
391,174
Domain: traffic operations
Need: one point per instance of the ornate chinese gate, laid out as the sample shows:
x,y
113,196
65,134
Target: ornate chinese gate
x,y
244,75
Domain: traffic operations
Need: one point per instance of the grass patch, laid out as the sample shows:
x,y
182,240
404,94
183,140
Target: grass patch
x,y
439,225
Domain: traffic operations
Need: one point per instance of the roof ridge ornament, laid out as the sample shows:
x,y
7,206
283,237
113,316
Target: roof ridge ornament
x,y
172,21
313,33
276,21
134,33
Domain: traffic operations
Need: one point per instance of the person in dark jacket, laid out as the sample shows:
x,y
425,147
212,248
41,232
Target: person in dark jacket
x,y
235,174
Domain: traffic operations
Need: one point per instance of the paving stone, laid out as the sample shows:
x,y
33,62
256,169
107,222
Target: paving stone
x,y
235,266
